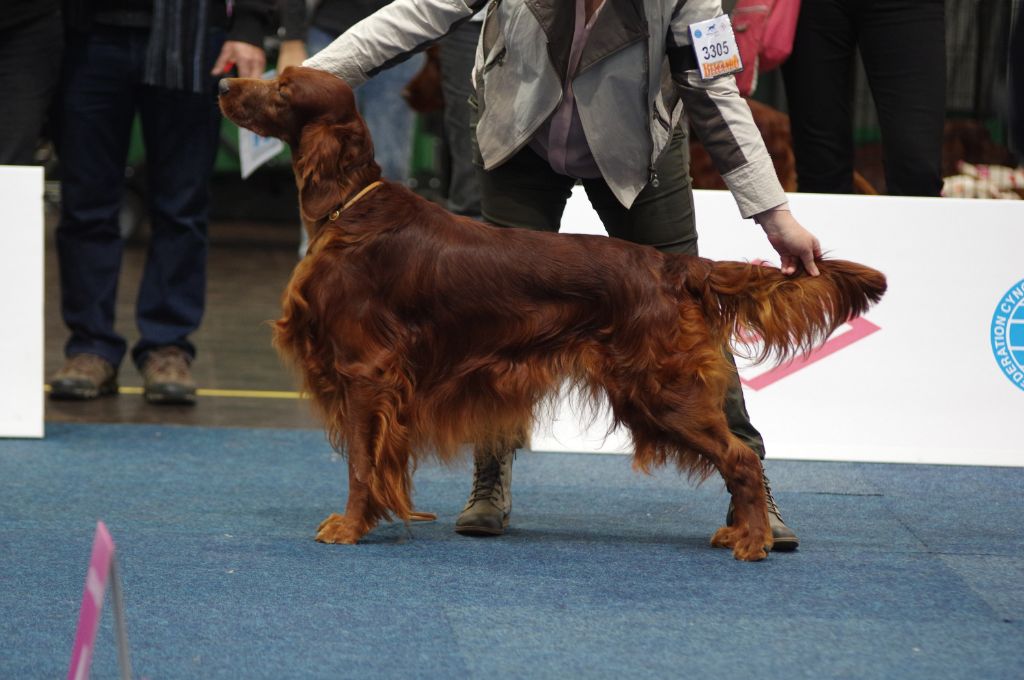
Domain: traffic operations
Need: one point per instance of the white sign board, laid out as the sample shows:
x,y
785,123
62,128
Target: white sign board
x,y
919,378
21,301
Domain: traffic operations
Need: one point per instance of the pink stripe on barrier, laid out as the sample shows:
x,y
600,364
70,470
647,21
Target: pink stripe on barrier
x,y
92,603
859,329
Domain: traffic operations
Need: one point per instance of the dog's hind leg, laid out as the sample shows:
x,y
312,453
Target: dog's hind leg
x,y
750,534
685,425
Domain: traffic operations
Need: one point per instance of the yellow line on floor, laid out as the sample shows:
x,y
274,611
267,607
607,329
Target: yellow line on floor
x,y
245,394
230,394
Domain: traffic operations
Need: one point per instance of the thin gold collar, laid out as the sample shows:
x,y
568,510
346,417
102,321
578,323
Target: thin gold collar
x,y
336,213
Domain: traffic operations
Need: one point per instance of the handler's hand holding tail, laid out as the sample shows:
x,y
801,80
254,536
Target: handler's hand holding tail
x,y
792,242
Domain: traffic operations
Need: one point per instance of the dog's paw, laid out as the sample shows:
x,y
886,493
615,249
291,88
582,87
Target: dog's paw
x,y
332,518
744,546
725,537
339,529
750,553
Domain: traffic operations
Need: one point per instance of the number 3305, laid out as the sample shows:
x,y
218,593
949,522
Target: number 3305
x,y
715,50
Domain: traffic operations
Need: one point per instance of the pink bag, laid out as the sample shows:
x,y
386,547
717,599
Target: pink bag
x,y
764,34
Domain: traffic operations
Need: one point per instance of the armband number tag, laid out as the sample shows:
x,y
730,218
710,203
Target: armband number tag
x,y
715,47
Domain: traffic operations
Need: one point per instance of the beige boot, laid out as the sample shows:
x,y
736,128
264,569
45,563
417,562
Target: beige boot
x,y
490,503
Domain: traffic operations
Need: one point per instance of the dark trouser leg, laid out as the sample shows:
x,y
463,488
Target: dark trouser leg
x,y
30,56
524,192
181,130
737,417
908,83
98,107
1015,84
458,50
819,89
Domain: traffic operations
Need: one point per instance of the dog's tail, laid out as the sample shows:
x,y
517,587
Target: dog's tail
x,y
789,315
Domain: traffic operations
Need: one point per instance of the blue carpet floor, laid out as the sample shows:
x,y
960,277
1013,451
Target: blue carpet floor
x,y
904,571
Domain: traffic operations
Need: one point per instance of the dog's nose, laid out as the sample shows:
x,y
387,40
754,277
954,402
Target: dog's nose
x,y
224,86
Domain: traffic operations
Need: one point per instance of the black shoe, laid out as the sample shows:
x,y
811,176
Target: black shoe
x,y
490,503
83,377
785,538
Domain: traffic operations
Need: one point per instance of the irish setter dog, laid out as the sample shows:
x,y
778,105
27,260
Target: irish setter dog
x,y
418,332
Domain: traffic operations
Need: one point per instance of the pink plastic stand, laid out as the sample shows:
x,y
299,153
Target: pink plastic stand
x,y
102,570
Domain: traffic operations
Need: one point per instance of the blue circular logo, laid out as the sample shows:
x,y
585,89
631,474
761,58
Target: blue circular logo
x,y
1008,334
697,33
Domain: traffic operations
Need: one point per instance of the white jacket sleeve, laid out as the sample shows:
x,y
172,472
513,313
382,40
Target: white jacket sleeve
x,y
390,35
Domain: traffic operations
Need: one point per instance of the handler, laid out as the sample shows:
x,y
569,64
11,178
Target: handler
x,y
593,91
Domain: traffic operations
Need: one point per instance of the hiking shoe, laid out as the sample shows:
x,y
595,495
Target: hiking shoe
x,y
84,376
167,378
490,503
785,538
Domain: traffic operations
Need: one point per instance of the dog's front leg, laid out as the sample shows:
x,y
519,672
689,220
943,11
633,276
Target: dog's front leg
x,y
360,515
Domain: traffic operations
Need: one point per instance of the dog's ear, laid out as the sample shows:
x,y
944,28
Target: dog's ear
x,y
316,171
330,154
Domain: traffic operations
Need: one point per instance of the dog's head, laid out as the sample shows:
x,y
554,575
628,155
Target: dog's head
x,y
314,112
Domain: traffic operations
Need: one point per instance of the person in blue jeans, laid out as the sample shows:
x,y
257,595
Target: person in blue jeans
x,y
158,61
391,121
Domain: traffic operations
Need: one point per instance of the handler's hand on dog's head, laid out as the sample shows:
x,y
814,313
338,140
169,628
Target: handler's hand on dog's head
x,y
249,59
791,241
